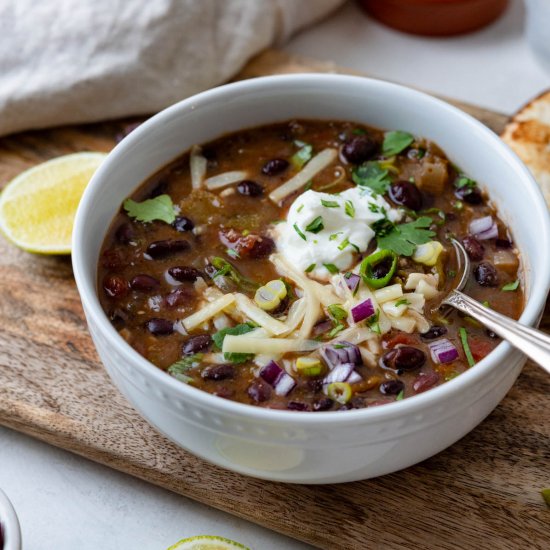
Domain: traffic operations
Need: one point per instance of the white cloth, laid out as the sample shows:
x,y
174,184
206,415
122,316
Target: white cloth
x,y
69,61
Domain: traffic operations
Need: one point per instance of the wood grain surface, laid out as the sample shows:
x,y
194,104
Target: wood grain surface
x,y
483,492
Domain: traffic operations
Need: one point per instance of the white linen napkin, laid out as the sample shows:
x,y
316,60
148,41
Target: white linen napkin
x,y
70,61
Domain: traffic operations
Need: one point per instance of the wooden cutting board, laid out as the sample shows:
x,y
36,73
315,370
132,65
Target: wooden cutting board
x,y
483,492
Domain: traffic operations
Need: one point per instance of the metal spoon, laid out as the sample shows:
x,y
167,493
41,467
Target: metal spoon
x,y
534,343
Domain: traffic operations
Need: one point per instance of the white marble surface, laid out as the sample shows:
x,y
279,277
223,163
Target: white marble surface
x,y
66,502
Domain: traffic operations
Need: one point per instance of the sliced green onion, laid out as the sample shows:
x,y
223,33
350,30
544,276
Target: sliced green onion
x,y
337,312
349,209
331,268
511,286
309,366
400,395
339,391
466,346
316,225
310,268
329,204
297,229
366,270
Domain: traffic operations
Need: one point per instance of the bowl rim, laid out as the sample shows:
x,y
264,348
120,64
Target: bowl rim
x,y
96,315
9,523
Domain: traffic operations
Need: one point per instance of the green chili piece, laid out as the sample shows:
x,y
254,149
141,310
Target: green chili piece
x,y
370,262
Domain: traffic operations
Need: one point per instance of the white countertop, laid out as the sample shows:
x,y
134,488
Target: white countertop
x,y
66,502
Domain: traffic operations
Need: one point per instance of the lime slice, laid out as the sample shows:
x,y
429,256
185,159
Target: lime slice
x,y
37,208
207,542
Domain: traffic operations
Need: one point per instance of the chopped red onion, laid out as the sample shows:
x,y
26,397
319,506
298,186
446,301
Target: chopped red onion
x,y
352,281
277,377
484,228
340,373
443,351
362,311
354,377
341,353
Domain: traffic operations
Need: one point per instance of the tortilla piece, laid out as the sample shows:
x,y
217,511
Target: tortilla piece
x,y
528,134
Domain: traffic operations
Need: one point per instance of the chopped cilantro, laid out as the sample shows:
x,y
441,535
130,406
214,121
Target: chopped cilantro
x,y
237,330
338,328
511,286
337,312
233,253
350,209
402,302
226,269
400,395
371,174
343,244
331,268
466,346
373,207
451,273
329,204
403,238
297,229
310,268
463,181
395,142
316,225
373,322
302,156
179,368
159,208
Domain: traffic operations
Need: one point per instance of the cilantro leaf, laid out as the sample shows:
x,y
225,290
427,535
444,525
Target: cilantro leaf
x,y
463,181
316,225
371,174
179,368
403,238
395,142
237,330
159,208
301,156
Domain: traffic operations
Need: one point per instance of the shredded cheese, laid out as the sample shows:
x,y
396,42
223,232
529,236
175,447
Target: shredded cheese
x,y
207,312
225,179
259,316
312,168
266,346
197,165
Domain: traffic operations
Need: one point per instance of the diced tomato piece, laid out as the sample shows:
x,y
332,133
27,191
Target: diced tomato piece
x,y
402,338
480,348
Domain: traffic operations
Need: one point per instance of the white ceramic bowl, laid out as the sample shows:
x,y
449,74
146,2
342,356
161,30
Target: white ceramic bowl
x,y
312,447
10,524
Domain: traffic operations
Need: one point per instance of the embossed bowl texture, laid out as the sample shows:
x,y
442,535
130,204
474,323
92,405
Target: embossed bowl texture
x,y
324,447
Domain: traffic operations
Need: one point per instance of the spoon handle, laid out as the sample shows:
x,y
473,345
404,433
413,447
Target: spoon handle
x,y
534,343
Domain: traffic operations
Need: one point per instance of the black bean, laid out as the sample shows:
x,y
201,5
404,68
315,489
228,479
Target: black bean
x,y
474,248
144,282
486,274
182,224
184,273
274,167
297,406
433,332
159,327
218,372
471,195
391,387
259,391
250,188
262,248
503,243
406,193
115,286
163,249
112,259
323,404
403,358
358,149
125,233
179,297
196,344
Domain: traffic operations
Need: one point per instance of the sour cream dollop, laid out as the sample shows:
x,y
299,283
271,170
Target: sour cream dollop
x,y
323,229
